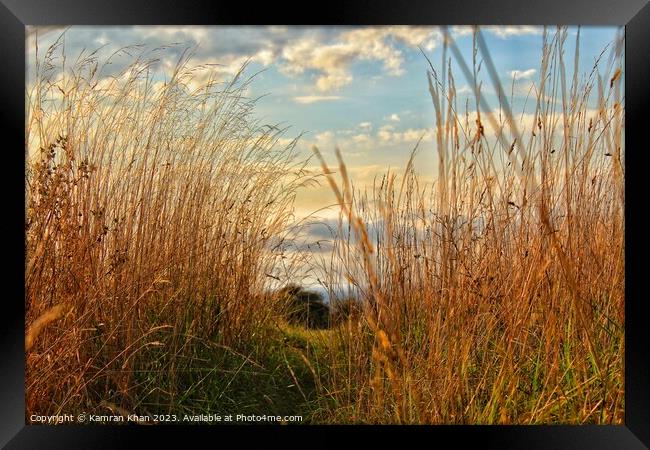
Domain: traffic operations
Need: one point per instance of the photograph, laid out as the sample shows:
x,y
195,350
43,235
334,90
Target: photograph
x,y
325,225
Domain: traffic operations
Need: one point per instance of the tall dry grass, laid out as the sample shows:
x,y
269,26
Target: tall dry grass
x,y
154,209
495,295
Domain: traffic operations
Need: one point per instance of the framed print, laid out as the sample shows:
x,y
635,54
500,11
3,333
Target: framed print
x,y
413,218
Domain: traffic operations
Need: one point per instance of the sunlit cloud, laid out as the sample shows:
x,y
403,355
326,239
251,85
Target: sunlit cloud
x,y
518,30
387,134
502,32
332,59
464,90
308,99
522,74
361,138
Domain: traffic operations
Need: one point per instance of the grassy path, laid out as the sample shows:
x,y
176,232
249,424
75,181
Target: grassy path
x,y
277,377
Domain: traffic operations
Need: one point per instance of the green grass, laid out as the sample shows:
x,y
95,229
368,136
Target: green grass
x,y
276,376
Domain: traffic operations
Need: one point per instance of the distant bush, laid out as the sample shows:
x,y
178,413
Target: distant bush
x,y
306,308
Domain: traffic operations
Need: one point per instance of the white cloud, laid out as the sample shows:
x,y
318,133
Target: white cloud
x,y
518,30
308,99
332,58
464,90
333,80
412,135
366,126
394,118
502,32
522,74
461,30
387,135
325,136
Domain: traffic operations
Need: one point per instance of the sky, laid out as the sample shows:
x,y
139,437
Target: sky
x,y
363,89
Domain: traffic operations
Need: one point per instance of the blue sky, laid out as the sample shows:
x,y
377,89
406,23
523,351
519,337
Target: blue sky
x,y
361,88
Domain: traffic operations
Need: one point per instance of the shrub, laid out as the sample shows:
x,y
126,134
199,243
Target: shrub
x,y
305,307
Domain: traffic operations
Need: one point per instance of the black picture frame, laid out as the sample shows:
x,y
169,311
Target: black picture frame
x,y
633,14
